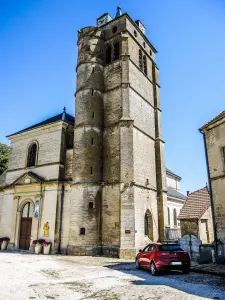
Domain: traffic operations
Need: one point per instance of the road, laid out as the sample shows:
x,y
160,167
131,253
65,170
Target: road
x,y
27,276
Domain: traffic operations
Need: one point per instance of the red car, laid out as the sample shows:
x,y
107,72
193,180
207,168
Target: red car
x,y
163,257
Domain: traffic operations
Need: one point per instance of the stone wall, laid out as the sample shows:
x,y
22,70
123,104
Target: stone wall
x,y
215,141
189,226
208,216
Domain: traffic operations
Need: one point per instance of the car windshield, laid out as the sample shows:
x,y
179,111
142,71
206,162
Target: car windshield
x,y
171,248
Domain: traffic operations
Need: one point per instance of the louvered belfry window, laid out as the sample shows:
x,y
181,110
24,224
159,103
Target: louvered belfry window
x,y
140,60
32,155
116,51
108,54
145,65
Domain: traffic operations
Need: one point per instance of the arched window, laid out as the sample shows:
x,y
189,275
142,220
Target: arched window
x,y
32,155
175,216
69,137
27,211
108,54
145,65
116,51
140,60
148,222
168,213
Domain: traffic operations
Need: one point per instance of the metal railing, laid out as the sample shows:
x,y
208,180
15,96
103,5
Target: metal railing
x,y
172,234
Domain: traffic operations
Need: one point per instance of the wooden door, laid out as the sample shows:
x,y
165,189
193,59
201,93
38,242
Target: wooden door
x,y
25,233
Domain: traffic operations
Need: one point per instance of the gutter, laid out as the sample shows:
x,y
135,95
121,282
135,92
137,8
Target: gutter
x,y
60,219
211,196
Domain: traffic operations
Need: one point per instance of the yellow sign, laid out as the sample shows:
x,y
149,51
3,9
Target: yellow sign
x,y
46,229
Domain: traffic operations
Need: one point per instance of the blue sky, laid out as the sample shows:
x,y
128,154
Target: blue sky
x,y
38,58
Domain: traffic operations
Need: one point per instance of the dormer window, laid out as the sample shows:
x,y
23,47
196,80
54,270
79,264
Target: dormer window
x,y
32,155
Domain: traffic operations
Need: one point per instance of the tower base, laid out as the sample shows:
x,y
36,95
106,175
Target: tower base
x,y
110,251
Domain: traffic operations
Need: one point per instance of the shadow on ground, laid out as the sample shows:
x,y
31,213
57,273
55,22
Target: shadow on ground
x,y
176,280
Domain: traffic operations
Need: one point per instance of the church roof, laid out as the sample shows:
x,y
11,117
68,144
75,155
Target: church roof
x,y
169,172
196,204
171,192
217,118
61,117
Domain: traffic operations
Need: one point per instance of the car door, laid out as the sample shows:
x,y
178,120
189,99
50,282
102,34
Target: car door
x,y
142,257
146,256
149,255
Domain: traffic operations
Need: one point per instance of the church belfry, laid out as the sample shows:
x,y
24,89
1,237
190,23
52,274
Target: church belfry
x,y
118,160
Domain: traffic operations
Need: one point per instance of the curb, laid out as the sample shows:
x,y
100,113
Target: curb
x,y
208,272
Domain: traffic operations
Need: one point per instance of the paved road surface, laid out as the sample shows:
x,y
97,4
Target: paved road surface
x,y
26,276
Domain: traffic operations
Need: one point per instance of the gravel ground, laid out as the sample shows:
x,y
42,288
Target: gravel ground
x,y
26,276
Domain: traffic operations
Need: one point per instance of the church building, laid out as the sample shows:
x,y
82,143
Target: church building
x,y
96,182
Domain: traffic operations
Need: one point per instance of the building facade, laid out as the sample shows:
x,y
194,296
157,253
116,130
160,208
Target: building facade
x,y
175,202
196,216
105,194
214,140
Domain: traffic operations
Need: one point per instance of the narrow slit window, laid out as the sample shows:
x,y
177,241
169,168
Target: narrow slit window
x,y
91,205
145,65
92,92
116,52
140,60
93,115
82,231
92,141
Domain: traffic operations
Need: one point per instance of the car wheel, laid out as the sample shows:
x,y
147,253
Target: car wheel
x,y
186,270
137,264
153,269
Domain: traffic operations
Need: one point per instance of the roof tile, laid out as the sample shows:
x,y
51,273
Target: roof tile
x,y
195,205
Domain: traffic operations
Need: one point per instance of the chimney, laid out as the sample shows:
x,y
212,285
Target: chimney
x,y
188,193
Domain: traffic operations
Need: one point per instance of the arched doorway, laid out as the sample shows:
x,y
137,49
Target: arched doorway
x,y
25,226
148,225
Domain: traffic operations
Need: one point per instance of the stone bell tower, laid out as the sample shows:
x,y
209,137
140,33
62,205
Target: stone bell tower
x,y
85,227
118,195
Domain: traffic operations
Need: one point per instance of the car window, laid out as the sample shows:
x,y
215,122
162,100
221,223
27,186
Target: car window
x,y
149,248
145,249
171,248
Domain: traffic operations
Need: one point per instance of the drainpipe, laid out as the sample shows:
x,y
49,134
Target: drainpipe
x,y
61,215
211,196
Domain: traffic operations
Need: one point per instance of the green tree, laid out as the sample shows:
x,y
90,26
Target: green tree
x,y
4,154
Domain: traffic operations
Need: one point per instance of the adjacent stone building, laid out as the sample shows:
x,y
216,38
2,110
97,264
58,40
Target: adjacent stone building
x,y
102,189
214,140
175,202
196,216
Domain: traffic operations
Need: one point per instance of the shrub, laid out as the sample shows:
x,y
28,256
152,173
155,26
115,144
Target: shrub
x,y
45,243
6,239
38,242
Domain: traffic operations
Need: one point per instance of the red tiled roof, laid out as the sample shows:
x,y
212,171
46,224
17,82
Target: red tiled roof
x,y
217,118
196,204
